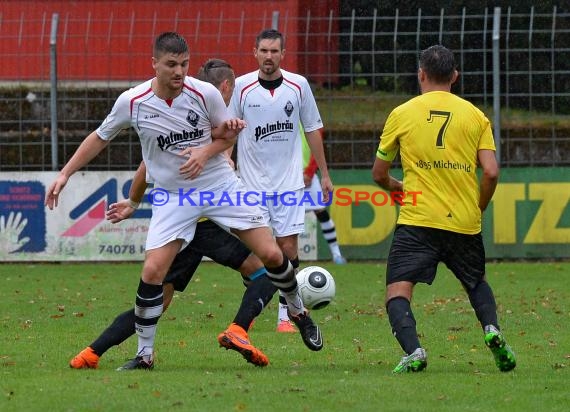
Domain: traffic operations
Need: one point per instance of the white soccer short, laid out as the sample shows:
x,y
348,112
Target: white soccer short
x,y
178,216
284,213
315,191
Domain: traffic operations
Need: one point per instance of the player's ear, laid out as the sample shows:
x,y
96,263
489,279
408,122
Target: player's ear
x,y
454,77
421,75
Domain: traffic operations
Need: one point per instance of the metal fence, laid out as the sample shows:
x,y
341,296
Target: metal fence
x,y
523,86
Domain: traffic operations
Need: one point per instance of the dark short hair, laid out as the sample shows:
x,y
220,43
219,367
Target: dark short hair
x,y
215,71
438,63
270,34
169,42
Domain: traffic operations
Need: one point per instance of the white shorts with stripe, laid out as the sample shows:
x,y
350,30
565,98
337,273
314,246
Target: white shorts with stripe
x,y
178,213
285,213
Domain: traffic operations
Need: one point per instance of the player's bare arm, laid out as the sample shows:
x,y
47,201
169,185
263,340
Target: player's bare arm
x,y
124,209
381,175
489,178
89,148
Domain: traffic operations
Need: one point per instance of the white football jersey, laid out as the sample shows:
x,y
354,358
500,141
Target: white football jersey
x,y
165,128
269,154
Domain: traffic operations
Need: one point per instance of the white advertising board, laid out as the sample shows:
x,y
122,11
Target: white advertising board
x,y
77,230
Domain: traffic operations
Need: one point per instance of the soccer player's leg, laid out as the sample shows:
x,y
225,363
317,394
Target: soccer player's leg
x,y
289,245
288,222
283,277
326,223
258,293
149,302
403,326
466,259
287,218
123,326
411,260
227,250
329,233
250,224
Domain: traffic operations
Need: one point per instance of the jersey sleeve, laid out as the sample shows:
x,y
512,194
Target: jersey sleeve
x,y
309,112
117,120
389,144
486,142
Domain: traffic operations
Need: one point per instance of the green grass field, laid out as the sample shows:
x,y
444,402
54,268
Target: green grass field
x,y
49,312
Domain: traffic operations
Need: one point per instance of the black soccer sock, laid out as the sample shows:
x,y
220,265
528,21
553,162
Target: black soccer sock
x,y
328,227
255,298
117,332
403,323
483,302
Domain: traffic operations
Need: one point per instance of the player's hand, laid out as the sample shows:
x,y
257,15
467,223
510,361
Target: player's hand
x,y
192,168
235,124
10,230
52,195
328,188
119,211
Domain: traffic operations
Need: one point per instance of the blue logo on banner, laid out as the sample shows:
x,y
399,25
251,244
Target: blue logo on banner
x,y
22,216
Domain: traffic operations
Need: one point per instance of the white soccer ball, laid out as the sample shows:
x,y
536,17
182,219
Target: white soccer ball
x,y
316,286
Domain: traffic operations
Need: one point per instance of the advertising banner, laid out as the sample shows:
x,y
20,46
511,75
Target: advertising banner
x,y
76,230
529,216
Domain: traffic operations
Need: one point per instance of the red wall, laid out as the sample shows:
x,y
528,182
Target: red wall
x,y
112,40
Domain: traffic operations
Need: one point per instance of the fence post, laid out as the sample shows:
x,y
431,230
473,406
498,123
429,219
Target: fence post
x,y
53,91
497,82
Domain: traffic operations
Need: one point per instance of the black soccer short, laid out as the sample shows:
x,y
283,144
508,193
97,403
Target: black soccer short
x,y
209,240
416,252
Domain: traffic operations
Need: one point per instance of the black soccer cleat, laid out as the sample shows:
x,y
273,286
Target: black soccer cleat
x,y
137,363
309,331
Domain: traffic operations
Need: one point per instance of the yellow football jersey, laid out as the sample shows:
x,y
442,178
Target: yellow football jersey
x,y
438,135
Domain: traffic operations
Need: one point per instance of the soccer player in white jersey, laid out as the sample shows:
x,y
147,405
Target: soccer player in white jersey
x,y
209,240
184,127
274,102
